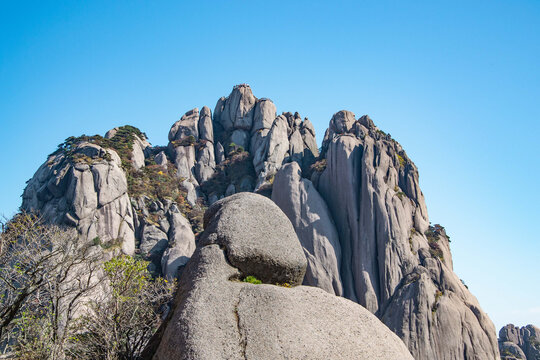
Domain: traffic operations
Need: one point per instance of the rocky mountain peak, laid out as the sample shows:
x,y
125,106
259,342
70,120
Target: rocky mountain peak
x,y
359,218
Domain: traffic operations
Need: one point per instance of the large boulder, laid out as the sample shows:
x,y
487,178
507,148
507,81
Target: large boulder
x,y
216,316
247,225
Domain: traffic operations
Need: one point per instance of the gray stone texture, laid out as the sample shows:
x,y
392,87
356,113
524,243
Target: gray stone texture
x,y
216,317
313,223
90,195
519,343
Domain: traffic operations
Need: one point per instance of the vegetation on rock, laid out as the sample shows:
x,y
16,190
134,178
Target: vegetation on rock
x,y
237,166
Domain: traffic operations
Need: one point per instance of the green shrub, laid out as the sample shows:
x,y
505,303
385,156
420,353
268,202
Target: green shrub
x,y
252,280
121,142
96,241
185,141
402,161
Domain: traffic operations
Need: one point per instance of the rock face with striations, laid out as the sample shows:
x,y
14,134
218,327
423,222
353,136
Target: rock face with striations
x,y
216,316
84,187
355,206
519,343
307,211
393,262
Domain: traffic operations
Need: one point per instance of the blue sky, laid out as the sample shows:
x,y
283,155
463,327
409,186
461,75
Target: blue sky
x,y
457,84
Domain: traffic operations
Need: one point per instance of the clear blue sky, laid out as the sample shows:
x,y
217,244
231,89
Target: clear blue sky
x,y
456,83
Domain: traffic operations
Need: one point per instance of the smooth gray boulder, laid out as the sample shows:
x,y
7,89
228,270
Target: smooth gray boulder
x,y
153,243
216,316
137,154
296,147
184,160
313,223
275,150
206,164
219,153
247,224
258,148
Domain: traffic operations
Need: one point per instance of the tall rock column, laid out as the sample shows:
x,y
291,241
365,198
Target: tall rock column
x,y
393,262
312,221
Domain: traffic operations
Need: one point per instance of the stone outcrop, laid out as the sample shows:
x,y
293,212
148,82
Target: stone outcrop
x,y
393,262
217,316
313,223
85,188
355,205
519,343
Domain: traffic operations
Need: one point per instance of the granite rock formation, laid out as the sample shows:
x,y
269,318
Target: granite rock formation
x,y
519,343
355,205
217,316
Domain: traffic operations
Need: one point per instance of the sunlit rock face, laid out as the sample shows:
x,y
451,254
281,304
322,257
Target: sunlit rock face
x,y
355,205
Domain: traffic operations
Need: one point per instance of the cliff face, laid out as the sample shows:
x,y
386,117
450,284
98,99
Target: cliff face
x,y
356,208
519,343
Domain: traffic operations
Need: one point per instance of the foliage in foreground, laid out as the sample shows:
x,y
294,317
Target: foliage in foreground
x,y
58,300
120,324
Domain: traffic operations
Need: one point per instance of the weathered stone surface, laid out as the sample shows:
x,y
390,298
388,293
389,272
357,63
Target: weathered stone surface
x,y
311,150
206,164
90,195
137,154
519,343
186,126
216,317
191,192
259,148
392,261
240,138
184,160
264,115
388,264
220,153
314,226
231,189
296,147
110,134
247,224
153,243
161,159
206,129
181,244
275,150
236,111
510,351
